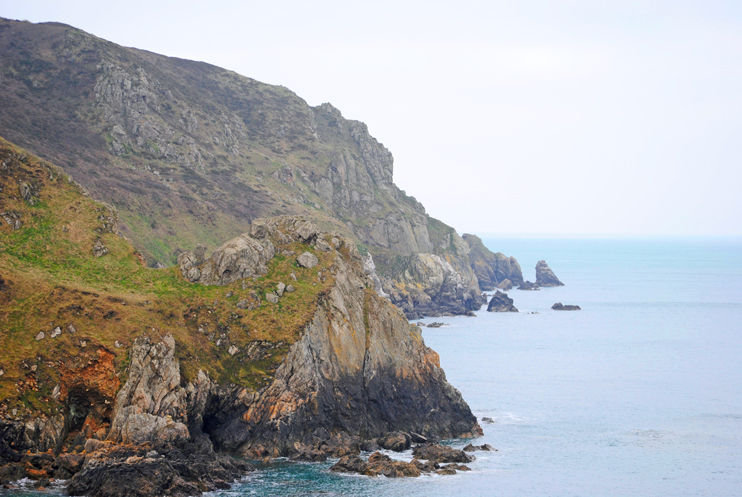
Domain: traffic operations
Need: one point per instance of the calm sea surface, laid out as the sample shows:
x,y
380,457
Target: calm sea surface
x,y
638,394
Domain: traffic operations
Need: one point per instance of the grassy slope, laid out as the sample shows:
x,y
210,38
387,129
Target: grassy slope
x,y
52,278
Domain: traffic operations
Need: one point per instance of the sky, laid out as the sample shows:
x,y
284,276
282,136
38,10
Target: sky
x,y
521,117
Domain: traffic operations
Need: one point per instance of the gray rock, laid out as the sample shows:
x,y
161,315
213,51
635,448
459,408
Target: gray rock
x,y
233,349
271,297
26,193
71,329
501,303
307,260
239,258
290,289
505,284
56,332
561,307
242,304
280,288
527,285
545,276
40,336
292,276
99,249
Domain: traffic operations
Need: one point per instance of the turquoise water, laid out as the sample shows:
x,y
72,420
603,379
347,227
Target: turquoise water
x,y
638,394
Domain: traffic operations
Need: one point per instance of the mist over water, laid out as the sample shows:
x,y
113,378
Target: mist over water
x,y
637,394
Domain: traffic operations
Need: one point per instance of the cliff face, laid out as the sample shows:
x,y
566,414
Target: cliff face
x,y
492,269
143,374
191,154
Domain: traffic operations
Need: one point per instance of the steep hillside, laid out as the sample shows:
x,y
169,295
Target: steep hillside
x,y
276,345
191,153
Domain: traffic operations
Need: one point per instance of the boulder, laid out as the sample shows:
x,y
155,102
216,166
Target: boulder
x,y
501,303
271,297
239,258
474,448
396,441
307,260
545,276
561,307
280,289
505,284
441,453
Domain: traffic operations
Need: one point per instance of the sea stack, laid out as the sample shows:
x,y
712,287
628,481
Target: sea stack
x,y
501,303
545,276
561,307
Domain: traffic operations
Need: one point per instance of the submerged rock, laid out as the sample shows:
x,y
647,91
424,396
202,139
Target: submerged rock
x,y
441,453
501,303
545,276
527,285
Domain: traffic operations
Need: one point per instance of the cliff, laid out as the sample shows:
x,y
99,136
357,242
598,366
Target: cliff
x,y
189,153
128,378
492,269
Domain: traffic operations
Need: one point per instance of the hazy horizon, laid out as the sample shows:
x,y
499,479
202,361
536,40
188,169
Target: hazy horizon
x,y
532,119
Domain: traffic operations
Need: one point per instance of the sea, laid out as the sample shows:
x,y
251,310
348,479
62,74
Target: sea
x,y
637,394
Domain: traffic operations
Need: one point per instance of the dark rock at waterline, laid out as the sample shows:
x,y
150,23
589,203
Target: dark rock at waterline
x,y
501,303
561,307
396,441
475,448
435,324
441,453
527,285
126,470
545,276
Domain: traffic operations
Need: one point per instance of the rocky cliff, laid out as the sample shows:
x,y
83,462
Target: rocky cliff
x,y
189,153
492,269
138,379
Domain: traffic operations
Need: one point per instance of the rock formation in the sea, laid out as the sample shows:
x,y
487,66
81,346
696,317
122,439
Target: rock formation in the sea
x,y
505,285
545,276
492,269
131,380
527,285
429,458
500,302
562,307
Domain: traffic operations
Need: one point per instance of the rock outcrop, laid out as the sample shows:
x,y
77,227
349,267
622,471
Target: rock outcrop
x,y
545,276
430,286
500,302
562,307
492,269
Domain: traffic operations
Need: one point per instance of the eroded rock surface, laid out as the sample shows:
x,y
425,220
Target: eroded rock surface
x,y
491,268
545,276
500,302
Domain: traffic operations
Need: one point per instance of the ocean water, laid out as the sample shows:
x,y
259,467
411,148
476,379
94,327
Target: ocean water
x,y
637,394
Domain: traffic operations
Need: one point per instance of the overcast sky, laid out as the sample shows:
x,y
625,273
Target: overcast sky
x,y
532,117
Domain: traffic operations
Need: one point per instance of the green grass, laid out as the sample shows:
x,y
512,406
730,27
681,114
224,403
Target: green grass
x,y
53,279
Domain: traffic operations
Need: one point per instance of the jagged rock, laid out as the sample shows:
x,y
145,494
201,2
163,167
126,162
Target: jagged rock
x,y
441,453
491,269
71,329
99,249
26,193
474,448
488,420
239,258
500,302
561,307
436,324
307,260
233,349
545,276
151,406
242,304
396,441
527,285
178,470
350,464
56,332
370,269
431,286
505,284
40,336
271,297
280,289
